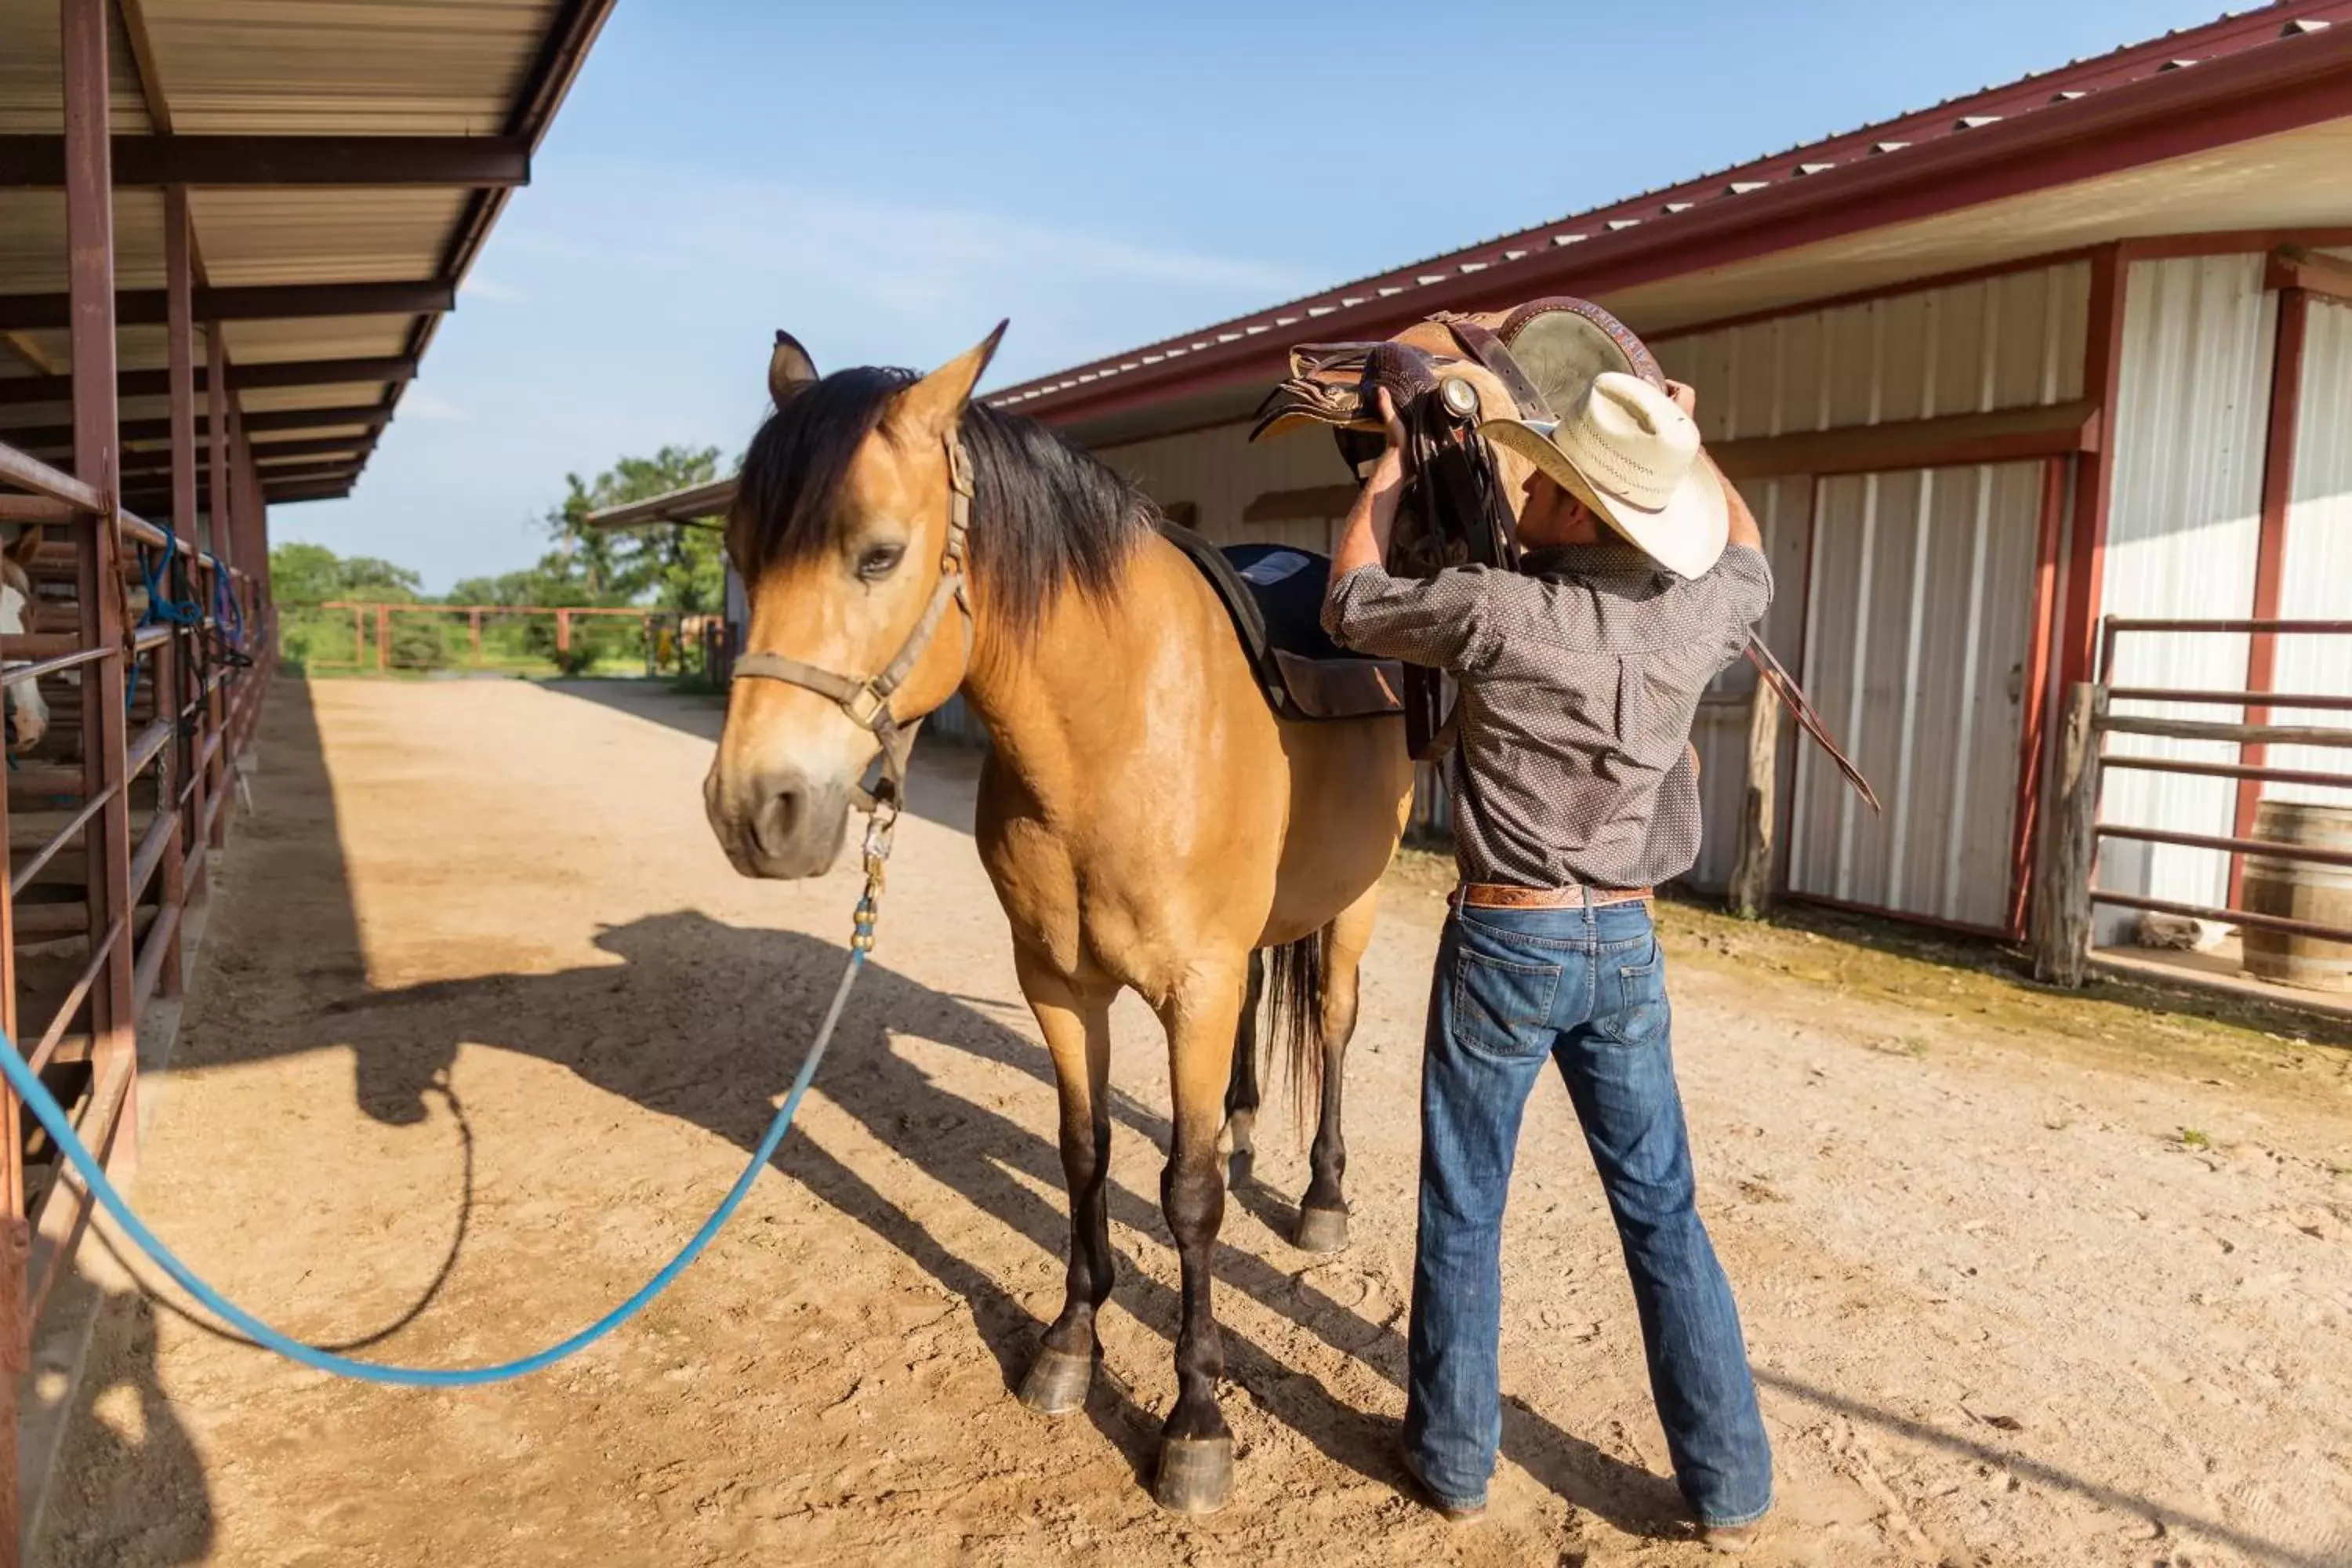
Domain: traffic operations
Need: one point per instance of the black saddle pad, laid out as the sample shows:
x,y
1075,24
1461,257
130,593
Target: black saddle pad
x,y
1274,596
1288,584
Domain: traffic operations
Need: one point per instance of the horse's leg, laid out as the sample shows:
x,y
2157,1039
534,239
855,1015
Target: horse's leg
x,y
1241,1091
1196,1446
1077,1024
1323,1211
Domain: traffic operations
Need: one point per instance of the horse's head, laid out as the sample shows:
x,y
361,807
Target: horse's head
x,y
31,715
841,531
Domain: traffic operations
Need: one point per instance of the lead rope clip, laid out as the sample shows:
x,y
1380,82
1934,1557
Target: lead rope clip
x,y
879,830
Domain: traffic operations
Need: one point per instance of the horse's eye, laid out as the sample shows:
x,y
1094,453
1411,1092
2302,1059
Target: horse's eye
x,y
879,561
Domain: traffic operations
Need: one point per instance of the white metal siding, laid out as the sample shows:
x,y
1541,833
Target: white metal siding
x,y
2011,342
1219,471
1921,585
2316,580
2183,526
1915,642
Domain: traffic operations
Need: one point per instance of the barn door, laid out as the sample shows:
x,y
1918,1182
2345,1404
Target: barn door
x,y
1918,609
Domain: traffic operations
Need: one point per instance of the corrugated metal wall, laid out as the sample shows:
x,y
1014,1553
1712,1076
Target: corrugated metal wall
x,y
2183,526
1914,651
2316,580
1904,599
2011,342
1219,471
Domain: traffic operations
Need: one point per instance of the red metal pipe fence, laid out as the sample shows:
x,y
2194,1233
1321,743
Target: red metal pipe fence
x,y
117,833
2062,928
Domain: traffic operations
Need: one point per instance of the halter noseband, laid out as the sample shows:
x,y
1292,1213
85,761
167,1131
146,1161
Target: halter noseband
x,y
867,701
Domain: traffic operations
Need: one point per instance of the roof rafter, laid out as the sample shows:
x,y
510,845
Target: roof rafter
x,y
39,161
286,301
241,378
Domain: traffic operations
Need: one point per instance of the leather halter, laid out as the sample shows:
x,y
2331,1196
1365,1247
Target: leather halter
x,y
867,701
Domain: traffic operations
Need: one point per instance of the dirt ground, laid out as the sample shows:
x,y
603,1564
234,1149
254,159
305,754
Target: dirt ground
x,y
485,1026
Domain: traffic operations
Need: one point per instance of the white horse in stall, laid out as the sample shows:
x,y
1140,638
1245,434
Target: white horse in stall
x,y
30,715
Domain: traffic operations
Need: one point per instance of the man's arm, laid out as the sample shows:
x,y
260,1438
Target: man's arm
x,y
1434,622
1364,537
1743,522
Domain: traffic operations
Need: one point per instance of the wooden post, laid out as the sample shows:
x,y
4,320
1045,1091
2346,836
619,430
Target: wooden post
x,y
1751,873
2062,908
84,30
383,637
562,632
474,626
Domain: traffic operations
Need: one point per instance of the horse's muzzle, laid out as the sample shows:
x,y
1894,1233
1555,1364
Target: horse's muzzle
x,y
777,823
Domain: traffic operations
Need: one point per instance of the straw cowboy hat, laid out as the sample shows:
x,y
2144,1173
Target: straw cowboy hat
x,y
1628,453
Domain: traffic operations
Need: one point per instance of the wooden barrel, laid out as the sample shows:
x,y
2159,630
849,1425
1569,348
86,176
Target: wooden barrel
x,y
2301,890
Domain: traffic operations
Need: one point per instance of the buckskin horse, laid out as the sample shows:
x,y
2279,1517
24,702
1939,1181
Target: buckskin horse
x,y
1148,820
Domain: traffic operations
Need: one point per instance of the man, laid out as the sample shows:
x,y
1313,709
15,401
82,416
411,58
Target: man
x,y
1575,792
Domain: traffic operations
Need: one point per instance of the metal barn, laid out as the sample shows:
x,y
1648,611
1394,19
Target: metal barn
x,y
2074,348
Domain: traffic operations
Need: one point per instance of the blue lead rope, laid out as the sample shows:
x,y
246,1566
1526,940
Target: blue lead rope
x,y
52,1116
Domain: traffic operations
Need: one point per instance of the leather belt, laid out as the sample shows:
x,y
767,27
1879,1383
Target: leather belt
x,y
1500,896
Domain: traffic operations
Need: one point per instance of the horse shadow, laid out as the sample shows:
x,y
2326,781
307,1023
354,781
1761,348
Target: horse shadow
x,y
700,1020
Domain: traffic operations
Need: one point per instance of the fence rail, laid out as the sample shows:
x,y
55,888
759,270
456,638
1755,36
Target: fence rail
x,y
349,636
2064,917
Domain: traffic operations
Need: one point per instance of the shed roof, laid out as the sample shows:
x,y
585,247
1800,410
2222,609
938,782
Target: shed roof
x,y
345,159
2243,124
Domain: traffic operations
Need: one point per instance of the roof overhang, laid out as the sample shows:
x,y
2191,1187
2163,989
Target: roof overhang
x,y
2259,140
343,167
695,504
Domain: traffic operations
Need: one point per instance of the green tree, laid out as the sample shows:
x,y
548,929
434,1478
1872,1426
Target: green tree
x,y
313,575
675,568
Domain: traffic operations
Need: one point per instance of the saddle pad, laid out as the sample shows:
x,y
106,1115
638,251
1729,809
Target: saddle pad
x,y
1274,596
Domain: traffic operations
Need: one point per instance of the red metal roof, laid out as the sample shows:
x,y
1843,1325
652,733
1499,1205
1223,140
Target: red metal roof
x,y
2245,75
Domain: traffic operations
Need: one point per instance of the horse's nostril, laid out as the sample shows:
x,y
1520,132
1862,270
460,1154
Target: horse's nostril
x,y
778,817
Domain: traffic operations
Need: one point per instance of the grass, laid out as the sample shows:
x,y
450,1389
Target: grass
x,y
2190,1138
1957,990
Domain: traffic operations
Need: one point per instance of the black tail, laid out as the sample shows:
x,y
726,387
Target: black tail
x,y
1294,1003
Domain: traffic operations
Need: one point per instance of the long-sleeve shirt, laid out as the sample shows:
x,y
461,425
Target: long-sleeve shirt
x,y
1579,676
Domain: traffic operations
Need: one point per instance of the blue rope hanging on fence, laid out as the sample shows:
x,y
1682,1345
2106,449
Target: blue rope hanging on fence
x,y
162,608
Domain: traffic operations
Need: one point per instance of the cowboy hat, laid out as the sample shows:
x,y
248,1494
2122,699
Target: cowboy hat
x,y
1630,453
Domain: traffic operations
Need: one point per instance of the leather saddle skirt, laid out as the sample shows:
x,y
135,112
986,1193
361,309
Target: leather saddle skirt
x,y
1274,596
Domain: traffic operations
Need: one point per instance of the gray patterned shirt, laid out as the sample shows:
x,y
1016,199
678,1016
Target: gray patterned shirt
x,y
1579,676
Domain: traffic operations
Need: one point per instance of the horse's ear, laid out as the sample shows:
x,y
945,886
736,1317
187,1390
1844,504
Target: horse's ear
x,y
934,404
26,545
789,369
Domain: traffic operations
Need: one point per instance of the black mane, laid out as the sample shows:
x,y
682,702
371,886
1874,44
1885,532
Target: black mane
x,y
1046,515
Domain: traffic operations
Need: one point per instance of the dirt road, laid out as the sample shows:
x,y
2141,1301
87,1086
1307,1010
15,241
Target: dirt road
x,y
485,1025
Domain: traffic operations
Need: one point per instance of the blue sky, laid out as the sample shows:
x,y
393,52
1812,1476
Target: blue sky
x,y
888,179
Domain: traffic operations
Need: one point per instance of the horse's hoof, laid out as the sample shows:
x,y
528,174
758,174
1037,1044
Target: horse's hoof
x,y
1196,1474
1058,1381
1240,1166
1322,1230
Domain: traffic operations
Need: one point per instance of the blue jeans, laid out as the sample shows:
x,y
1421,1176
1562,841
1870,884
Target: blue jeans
x,y
1585,988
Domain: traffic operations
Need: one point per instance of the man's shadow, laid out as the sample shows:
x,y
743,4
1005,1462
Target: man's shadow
x,y
702,1020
